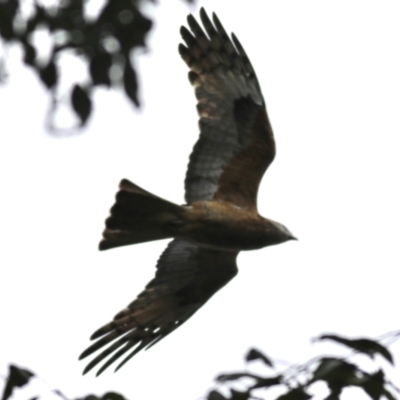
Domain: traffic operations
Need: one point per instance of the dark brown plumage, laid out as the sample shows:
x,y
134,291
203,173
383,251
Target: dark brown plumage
x,y
235,147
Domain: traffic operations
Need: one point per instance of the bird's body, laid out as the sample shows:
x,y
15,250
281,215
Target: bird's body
x,y
222,225
216,224
220,217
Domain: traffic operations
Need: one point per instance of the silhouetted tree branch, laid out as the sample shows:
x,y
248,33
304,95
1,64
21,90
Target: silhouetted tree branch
x,y
295,381
19,377
337,372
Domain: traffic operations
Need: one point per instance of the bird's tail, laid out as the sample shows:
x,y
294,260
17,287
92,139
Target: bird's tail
x,y
139,216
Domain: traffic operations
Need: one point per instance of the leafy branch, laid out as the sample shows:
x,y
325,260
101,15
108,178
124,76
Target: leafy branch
x,y
19,377
104,43
337,372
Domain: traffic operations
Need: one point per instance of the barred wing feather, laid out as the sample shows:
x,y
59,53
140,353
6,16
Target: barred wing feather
x,y
187,276
236,143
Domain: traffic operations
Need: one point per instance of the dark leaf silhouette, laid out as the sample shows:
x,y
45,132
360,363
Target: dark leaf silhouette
x,y
337,373
17,377
333,396
374,386
8,9
267,382
48,74
113,396
130,82
90,397
254,354
366,346
29,54
81,103
236,395
100,68
295,394
106,396
214,395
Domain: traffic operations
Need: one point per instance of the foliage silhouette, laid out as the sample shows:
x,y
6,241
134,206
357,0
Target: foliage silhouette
x,y
337,373
19,377
103,43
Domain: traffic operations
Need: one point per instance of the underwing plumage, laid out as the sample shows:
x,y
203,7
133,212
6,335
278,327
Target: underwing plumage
x,y
220,217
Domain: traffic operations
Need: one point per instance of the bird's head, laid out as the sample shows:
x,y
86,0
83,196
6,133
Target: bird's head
x,y
278,232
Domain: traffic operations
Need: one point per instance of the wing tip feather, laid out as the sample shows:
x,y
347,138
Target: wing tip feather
x,y
194,78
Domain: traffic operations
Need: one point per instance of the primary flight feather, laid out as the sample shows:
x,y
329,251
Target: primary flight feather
x,y
220,218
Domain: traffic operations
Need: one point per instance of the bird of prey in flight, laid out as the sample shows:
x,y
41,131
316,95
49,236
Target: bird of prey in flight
x,y
220,217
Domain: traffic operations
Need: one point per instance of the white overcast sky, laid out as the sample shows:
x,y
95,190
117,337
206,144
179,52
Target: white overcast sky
x,y
329,71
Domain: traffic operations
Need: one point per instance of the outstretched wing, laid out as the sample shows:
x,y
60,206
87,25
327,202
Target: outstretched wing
x,y
236,143
187,276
